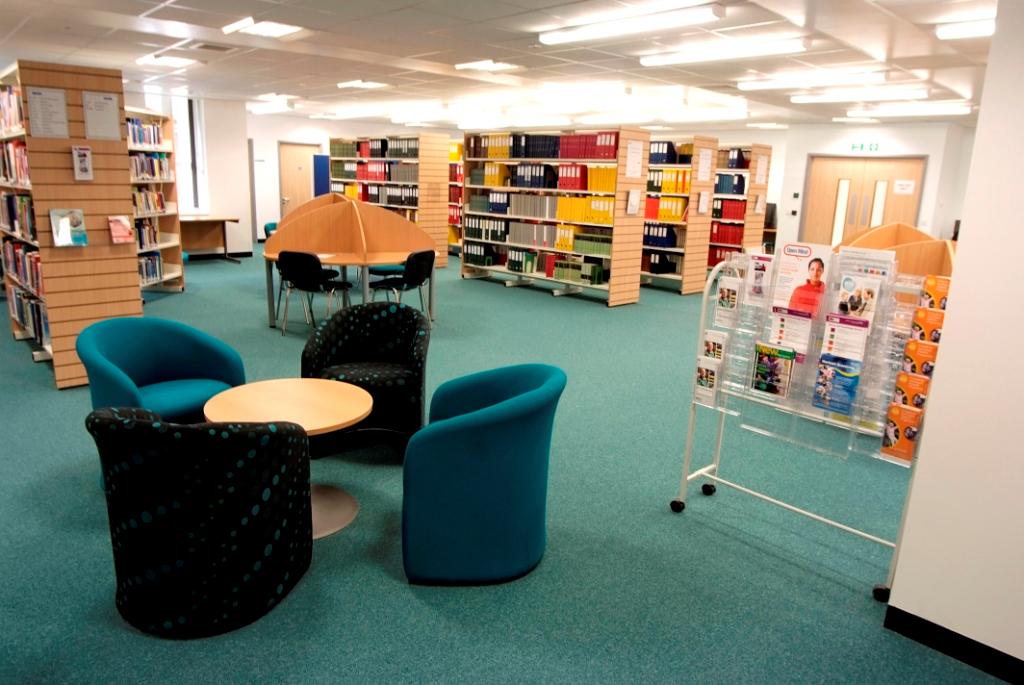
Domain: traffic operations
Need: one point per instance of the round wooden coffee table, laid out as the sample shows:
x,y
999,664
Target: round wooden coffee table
x,y
319,406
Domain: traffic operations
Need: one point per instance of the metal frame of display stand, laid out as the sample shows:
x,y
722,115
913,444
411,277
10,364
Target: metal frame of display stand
x,y
710,472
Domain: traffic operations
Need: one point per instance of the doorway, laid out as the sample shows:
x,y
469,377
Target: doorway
x,y
847,195
295,164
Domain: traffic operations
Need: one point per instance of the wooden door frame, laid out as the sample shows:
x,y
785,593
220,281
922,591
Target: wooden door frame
x,y
807,180
280,186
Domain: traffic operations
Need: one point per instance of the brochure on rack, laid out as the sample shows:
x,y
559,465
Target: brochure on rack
x,y
800,279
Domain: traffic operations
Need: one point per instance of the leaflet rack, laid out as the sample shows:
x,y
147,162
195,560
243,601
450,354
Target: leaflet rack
x,y
794,419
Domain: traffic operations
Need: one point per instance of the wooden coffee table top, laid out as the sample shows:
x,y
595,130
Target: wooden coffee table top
x,y
318,405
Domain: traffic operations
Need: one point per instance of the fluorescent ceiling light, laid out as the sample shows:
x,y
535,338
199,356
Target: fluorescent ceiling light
x,y
769,126
855,120
486,65
883,94
268,97
966,29
727,49
633,25
270,29
813,79
239,25
359,83
275,107
913,109
153,60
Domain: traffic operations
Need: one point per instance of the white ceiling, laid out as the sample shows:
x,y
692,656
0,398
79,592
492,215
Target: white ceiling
x,y
412,45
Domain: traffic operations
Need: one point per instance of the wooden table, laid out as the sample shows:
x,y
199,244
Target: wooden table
x,y
319,406
344,260
203,232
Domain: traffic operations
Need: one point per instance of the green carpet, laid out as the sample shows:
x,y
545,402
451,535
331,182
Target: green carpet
x,y
732,590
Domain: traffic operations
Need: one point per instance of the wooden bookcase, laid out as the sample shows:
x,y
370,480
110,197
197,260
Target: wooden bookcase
x,y
158,232
687,171
429,183
77,285
455,191
750,163
597,256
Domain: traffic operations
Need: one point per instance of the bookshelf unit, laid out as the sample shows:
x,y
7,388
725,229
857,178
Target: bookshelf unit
x,y
740,200
55,292
676,233
455,192
406,174
553,208
155,200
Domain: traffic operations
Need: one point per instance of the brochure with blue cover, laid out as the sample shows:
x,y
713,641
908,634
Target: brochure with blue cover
x,y
835,387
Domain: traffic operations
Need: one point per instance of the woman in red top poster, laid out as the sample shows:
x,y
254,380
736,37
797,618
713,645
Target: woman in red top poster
x,y
807,297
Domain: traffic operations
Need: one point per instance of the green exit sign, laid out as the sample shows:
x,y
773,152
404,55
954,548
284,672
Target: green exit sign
x,y
864,147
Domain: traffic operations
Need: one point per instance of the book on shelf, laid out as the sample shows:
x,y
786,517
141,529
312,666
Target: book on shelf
x,y
343,148
150,166
660,264
151,269
145,134
666,152
730,184
68,227
659,235
726,233
16,215
735,210
596,146
22,262
30,313
148,201
146,234
11,115
120,229
733,158
14,163
668,181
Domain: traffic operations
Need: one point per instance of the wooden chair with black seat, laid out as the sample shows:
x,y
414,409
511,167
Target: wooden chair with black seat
x,y
417,270
303,271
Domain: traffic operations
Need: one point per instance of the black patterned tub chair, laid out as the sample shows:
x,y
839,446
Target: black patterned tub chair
x,y
382,348
210,523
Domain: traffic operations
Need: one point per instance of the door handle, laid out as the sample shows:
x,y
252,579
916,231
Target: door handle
x,y
285,199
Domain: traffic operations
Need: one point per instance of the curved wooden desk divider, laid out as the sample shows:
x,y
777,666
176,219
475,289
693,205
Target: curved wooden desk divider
x,y
335,224
887,236
916,251
345,232
926,258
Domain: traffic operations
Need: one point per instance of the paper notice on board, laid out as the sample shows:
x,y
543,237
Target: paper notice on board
x,y
702,202
47,112
634,158
633,202
704,166
759,204
903,187
762,169
102,115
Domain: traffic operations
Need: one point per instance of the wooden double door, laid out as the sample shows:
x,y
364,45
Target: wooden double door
x,y
847,195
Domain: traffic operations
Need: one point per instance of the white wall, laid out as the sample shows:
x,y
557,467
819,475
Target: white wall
x,y
227,167
266,131
962,550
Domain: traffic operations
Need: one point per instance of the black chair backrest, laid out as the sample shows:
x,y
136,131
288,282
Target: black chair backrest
x,y
417,269
215,511
302,269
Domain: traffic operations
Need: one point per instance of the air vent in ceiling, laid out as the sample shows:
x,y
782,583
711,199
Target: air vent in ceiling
x,y
212,47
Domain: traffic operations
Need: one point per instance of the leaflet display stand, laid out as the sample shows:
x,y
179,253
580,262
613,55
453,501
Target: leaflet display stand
x,y
829,394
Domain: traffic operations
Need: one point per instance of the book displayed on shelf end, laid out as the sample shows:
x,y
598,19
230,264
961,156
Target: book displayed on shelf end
x,y
68,226
120,229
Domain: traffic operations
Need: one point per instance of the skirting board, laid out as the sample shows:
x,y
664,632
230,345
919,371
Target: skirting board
x,y
950,643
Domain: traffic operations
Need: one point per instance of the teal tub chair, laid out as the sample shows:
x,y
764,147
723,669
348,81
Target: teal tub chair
x,y
476,476
164,366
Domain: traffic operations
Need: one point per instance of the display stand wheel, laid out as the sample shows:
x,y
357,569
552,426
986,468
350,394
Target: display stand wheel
x,y
708,489
677,506
880,593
